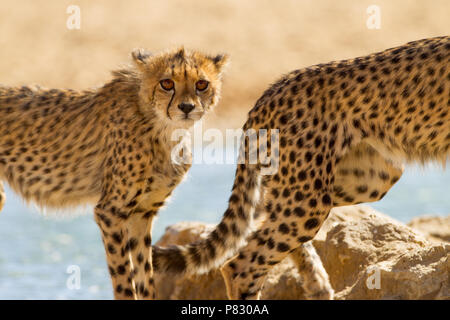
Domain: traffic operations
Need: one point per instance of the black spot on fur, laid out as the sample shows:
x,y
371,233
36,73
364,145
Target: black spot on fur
x,y
283,247
311,223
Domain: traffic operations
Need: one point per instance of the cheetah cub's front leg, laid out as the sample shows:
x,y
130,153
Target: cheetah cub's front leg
x,y
126,235
128,253
132,197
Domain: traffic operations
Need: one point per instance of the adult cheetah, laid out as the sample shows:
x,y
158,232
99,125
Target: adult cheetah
x,y
110,147
344,130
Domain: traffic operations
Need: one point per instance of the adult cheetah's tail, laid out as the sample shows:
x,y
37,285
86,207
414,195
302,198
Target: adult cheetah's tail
x,y
224,241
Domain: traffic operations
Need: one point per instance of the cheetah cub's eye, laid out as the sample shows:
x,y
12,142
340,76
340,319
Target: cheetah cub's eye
x,y
167,84
201,85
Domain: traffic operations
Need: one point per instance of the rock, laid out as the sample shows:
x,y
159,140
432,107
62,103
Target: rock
x,y
209,286
436,229
285,281
367,255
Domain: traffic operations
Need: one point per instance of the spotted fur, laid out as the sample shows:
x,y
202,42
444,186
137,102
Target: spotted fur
x,y
111,147
346,127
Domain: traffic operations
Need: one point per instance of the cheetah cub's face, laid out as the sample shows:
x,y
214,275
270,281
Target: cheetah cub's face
x,y
180,86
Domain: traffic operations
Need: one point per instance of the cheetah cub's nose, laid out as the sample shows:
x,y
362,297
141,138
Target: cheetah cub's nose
x,y
186,107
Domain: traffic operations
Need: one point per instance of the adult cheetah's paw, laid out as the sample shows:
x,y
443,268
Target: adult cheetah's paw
x,y
316,282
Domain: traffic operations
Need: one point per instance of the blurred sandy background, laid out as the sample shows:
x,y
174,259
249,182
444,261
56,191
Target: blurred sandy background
x,y
265,38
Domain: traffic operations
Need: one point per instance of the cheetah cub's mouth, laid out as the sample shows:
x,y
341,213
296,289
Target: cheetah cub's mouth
x,y
179,86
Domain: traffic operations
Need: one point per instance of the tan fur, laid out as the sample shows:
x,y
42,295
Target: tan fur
x,y
111,147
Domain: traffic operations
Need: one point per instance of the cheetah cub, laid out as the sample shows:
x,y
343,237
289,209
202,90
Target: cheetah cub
x,y
110,147
344,130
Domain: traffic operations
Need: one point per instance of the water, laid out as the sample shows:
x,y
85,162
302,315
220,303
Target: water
x,y
36,251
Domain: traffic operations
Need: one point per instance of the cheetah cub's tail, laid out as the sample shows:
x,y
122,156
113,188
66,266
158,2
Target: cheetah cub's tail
x,y
225,240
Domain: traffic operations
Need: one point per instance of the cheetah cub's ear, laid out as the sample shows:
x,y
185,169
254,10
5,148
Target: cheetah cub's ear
x,y
140,56
221,61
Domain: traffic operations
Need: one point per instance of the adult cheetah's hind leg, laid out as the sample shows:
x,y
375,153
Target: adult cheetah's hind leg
x,y
2,196
363,175
290,223
127,242
315,280
295,211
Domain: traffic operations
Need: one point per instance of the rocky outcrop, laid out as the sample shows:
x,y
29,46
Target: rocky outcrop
x,y
436,229
369,255
285,281
366,254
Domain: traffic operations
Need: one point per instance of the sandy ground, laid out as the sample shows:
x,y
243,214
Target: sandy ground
x,y
264,38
